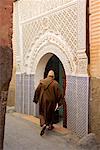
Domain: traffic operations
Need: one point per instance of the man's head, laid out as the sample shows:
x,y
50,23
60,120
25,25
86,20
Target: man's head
x,y
51,74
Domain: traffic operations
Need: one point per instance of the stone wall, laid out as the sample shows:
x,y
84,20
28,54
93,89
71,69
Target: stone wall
x,y
94,38
94,114
94,28
6,59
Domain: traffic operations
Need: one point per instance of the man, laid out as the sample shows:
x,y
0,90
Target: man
x,y
48,94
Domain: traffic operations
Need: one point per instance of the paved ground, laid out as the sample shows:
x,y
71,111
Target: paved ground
x,y
22,132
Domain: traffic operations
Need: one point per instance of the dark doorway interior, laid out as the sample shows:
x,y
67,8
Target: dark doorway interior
x,y
55,64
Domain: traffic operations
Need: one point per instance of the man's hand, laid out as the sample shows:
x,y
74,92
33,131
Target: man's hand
x,y
56,106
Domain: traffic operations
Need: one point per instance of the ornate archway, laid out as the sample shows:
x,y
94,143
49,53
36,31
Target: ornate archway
x,y
51,43
61,31
41,53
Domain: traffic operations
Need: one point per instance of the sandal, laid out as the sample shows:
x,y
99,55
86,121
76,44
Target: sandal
x,y
42,131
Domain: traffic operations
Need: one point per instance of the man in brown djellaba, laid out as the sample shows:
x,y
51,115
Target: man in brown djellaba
x,y
49,95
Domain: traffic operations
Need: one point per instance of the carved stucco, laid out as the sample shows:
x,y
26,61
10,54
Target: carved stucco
x,y
50,43
40,7
62,22
63,27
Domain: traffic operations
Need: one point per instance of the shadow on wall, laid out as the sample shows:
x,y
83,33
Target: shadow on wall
x,y
12,89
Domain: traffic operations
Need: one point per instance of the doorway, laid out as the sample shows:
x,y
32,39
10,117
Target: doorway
x,y
55,64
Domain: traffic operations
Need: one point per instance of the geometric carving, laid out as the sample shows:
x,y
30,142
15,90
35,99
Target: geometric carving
x,y
66,22
62,22
37,7
50,43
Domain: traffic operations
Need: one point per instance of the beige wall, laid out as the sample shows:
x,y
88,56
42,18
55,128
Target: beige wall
x,y
95,38
94,114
